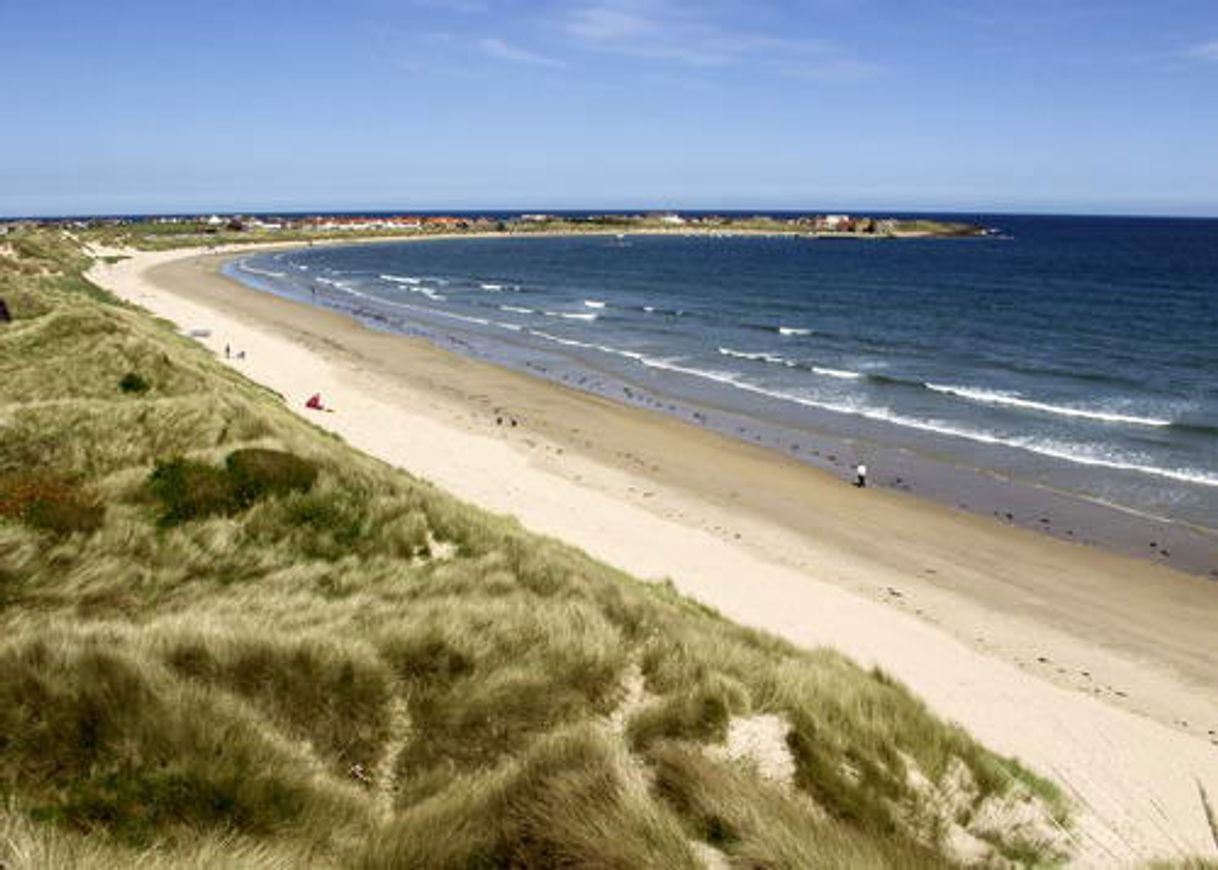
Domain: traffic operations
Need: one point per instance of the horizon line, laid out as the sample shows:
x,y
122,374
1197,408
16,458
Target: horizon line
x,y
427,212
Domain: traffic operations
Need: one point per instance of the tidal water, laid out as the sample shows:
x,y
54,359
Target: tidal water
x,y
1074,355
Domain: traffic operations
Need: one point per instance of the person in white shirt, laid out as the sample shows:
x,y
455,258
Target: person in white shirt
x,y
861,475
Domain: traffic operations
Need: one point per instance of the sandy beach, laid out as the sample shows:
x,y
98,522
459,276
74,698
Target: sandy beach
x,y
1092,668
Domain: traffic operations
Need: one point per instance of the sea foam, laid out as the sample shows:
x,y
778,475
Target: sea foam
x,y
1078,454
1014,400
775,359
245,267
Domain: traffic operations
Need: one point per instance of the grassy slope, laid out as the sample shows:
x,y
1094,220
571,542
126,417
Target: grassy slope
x,y
373,674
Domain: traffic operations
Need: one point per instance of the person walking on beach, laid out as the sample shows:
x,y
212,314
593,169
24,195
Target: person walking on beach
x,y
860,472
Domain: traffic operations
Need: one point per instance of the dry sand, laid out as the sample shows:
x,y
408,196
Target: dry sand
x,y
1094,669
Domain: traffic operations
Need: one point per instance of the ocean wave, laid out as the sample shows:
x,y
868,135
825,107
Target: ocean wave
x,y
415,285
569,342
836,373
758,357
491,288
895,381
1078,454
668,312
246,267
998,397
436,312
1199,428
517,309
568,315
774,359
587,345
593,303
793,330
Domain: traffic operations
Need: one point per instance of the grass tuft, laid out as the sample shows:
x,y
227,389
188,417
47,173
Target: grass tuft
x,y
571,800
701,714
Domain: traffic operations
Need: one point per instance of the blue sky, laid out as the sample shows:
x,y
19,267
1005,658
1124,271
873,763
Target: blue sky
x,y
1035,105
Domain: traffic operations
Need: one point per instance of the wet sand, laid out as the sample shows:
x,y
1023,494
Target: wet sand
x,y
1095,668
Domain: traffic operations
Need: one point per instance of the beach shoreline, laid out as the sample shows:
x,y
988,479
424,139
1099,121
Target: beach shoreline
x,y
961,608
984,482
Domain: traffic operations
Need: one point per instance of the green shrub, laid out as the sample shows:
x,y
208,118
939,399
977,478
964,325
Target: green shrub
x,y
49,503
133,383
191,490
257,472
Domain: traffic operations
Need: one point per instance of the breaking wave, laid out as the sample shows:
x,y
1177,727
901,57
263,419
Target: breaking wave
x,y
1014,400
267,273
774,359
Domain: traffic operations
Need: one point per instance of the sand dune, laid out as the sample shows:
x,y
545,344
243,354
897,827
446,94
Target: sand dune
x,y
1081,663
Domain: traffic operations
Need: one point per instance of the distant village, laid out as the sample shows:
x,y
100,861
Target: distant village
x,y
215,224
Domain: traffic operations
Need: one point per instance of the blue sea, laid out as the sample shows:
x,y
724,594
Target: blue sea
x,y
1077,355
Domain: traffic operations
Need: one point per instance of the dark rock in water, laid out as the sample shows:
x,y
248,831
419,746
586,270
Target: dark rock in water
x,y
5,317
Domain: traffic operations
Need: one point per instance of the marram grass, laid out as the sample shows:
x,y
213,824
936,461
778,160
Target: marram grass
x,y
354,669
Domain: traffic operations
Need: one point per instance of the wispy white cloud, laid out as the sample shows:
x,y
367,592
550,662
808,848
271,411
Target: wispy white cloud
x,y
605,23
501,50
686,33
1206,51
